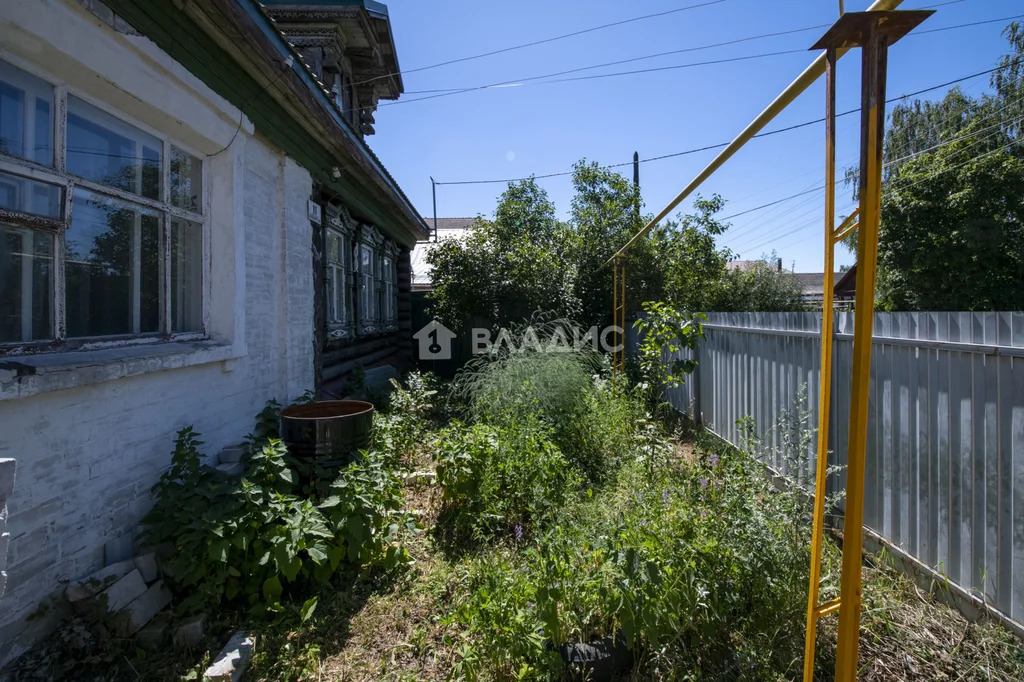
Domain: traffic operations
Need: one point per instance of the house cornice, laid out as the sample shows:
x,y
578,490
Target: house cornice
x,y
235,48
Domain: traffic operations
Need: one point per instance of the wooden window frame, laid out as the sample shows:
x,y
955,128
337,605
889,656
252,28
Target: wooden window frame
x,y
57,174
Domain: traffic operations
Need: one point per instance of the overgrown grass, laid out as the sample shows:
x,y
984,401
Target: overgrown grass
x,y
690,556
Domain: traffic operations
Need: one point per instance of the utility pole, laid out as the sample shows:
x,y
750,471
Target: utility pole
x,y
636,181
433,190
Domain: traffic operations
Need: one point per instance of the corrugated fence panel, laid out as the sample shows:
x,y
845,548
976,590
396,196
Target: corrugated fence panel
x,y
944,473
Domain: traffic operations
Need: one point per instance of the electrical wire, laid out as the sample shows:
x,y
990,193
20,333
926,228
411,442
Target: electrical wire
x,y
762,236
537,80
643,57
913,184
541,79
543,42
724,144
893,162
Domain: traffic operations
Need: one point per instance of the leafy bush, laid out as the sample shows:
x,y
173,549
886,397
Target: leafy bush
x,y
252,540
591,420
399,430
664,334
501,478
701,568
501,635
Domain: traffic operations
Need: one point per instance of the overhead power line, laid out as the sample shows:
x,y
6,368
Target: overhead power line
x,y
723,144
537,80
641,58
552,77
545,40
996,127
763,242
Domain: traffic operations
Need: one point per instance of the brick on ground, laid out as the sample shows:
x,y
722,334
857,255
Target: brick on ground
x,y
125,591
190,633
146,563
144,607
233,659
98,581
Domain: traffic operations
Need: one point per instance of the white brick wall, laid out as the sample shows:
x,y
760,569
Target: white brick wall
x,y
88,456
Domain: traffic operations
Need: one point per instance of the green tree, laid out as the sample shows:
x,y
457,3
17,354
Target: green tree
x,y
507,268
951,236
695,267
950,232
605,216
760,288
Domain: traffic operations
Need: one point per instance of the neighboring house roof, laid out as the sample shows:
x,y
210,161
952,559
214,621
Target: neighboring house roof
x,y
236,49
847,283
742,264
447,228
813,283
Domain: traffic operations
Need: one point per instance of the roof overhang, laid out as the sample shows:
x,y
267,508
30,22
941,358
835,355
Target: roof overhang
x,y
236,49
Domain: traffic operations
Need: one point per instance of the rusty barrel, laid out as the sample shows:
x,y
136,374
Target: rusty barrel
x,y
330,431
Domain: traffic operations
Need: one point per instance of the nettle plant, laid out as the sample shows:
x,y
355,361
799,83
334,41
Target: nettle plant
x,y
260,539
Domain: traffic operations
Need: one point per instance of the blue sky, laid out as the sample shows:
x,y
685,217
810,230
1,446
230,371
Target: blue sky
x,y
538,129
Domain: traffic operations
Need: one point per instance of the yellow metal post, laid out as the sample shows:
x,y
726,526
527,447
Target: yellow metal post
x,y
872,127
873,32
615,314
619,316
825,381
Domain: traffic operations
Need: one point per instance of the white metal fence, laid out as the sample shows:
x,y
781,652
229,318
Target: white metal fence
x,y
945,458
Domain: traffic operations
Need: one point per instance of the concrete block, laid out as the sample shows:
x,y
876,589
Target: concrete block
x,y
190,633
125,591
7,467
98,581
142,609
233,454
233,659
146,563
236,469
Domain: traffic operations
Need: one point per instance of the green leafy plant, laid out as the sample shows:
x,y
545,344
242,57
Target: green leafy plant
x,y
403,427
504,478
259,539
537,376
666,337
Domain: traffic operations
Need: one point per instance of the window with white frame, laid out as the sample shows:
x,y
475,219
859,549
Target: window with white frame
x,y
338,289
366,284
387,288
100,237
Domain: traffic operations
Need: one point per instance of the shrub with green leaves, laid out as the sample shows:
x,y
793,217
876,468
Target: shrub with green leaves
x,y
701,568
400,429
505,477
591,419
253,540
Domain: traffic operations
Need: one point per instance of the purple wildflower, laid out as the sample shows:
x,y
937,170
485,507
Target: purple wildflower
x,y
703,513
703,482
519,533
643,522
713,459
639,497
664,496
